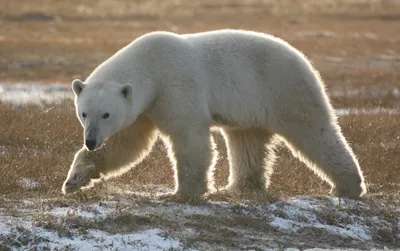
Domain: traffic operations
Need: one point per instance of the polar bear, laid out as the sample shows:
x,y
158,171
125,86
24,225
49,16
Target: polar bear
x,y
252,86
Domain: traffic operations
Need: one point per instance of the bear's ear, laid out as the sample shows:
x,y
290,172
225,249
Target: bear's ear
x,y
126,91
77,86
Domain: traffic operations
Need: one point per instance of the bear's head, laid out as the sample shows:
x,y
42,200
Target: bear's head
x,y
102,109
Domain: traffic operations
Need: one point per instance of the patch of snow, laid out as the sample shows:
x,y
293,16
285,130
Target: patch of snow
x,y
388,57
316,34
330,34
369,35
339,249
28,183
38,238
94,211
359,231
301,213
34,93
335,59
374,93
4,228
188,210
396,92
153,239
398,227
3,150
175,210
363,111
284,224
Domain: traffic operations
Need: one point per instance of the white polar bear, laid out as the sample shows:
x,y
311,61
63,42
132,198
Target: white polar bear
x,y
250,85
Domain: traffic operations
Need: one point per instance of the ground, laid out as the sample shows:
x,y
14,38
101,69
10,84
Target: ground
x,y
44,45
132,221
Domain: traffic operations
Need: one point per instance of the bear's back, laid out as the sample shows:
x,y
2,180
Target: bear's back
x,y
230,53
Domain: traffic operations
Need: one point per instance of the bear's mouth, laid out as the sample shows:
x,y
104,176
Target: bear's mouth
x,y
93,146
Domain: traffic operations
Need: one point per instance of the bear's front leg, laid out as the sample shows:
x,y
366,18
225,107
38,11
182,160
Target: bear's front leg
x,y
84,170
119,153
191,154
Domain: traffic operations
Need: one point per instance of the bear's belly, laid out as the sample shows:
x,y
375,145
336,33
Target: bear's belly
x,y
219,120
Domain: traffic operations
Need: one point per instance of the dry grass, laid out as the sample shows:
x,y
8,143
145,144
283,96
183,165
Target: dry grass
x,y
39,144
181,8
34,144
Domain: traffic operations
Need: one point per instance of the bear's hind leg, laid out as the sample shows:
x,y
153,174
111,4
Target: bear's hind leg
x,y
192,154
324,149
251,156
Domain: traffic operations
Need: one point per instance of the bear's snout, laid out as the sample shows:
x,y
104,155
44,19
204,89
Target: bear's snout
x,y
90,144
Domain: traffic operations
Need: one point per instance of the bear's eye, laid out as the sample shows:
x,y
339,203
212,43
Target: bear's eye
x,y
83,115
106,115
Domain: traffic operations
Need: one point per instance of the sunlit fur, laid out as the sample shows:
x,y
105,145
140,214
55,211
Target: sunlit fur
x,y
255,87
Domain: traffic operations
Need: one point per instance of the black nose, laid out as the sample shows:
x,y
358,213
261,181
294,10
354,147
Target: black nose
x,y
90,144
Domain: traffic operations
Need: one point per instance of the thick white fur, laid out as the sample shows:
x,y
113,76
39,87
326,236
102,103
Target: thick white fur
x,y
251,85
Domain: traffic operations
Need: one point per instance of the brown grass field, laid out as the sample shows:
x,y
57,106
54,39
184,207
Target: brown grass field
x,y
355,44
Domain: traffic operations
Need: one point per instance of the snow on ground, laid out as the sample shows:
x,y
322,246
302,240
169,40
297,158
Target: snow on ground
x,y
81,227
305,209
42,239
364,111
28,183
34,93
